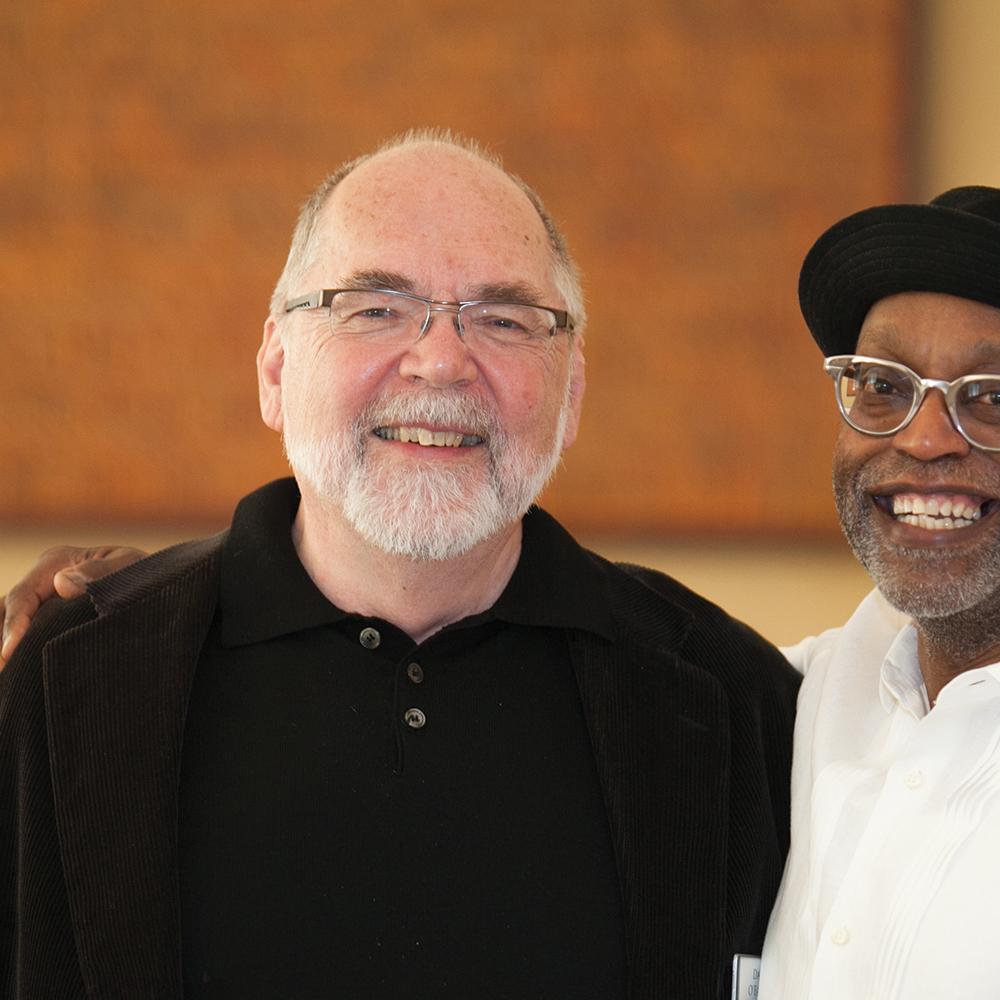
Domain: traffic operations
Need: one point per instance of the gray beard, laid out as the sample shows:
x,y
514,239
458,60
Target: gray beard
x,y
427,513
959,613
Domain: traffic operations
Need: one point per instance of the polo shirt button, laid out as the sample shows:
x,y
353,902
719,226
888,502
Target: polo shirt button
x,y
415,672
369,638
415,719
914,780
840,936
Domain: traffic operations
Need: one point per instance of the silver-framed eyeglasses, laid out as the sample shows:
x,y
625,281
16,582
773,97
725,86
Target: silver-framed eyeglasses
x,y
881,397
392,318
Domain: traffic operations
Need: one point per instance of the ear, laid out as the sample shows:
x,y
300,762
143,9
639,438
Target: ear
x,y
270,363
577,385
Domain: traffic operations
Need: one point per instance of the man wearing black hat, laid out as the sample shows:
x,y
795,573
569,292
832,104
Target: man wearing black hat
x,y
891,884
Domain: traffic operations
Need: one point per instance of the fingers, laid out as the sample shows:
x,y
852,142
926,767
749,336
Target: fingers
x,y
89,565
16,619
69,583
62,571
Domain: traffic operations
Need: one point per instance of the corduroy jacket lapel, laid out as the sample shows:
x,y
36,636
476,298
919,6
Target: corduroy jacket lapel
x,y
116,692
661,742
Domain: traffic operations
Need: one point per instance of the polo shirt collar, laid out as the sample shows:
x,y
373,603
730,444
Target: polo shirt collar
x,y
266,592
264,589
557,583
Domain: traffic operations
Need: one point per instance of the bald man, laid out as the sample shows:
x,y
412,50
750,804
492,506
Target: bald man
x,y
395,733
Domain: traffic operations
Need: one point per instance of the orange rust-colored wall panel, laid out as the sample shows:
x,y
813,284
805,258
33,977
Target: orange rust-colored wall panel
x,y
153,155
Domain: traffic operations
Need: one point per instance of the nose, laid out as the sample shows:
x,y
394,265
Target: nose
x,y
931,433
439,357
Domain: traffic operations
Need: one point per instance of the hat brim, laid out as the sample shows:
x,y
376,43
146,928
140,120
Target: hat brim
x,y
890,249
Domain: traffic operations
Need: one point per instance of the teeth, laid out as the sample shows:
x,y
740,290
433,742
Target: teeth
x,y
935,523
426,437
936,513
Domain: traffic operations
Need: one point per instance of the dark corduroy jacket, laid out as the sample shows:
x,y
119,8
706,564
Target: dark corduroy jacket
x,y
690,715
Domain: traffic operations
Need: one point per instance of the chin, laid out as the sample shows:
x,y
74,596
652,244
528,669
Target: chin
x,y
930,583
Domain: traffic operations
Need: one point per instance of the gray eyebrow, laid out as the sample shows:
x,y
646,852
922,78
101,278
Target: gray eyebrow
x,y
504,291
497,291
375,278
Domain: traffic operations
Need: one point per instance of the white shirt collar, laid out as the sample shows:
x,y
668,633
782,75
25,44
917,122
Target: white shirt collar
x,y
900,680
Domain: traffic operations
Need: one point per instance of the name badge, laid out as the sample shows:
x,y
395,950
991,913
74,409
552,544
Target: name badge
x,y
746,977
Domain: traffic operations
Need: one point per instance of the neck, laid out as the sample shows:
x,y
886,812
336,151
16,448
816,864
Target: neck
x,y
949,646
418,596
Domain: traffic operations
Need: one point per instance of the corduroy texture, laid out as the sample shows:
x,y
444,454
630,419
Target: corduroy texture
x,y
689,718
689,712
951,246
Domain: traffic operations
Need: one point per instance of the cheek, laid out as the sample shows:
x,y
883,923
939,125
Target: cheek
x,y
330,379
530,394
852,449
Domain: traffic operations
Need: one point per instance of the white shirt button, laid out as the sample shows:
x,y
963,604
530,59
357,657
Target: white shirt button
x,y
914,779
840,936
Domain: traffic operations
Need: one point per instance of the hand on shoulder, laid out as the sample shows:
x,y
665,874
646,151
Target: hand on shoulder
x,y
62,571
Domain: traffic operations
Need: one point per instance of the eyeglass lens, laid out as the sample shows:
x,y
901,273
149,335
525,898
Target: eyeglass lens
x,y
399,319
879,398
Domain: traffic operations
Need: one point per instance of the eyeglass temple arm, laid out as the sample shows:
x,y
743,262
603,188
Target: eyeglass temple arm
x,y
312,301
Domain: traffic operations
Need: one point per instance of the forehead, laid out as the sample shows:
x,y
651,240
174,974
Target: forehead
x,y
939,336
440,216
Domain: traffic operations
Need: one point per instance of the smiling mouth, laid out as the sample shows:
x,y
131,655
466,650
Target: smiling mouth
x,y
428,438
936,511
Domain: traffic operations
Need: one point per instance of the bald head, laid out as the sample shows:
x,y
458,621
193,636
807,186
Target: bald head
x,y
436,187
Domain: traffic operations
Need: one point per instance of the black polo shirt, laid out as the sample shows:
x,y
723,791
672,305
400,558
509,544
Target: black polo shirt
x,y
365,817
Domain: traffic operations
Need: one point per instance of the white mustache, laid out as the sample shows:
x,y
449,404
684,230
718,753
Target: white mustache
x,y
461,412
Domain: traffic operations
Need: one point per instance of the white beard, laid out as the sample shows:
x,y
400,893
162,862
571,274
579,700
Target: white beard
x,y
424,511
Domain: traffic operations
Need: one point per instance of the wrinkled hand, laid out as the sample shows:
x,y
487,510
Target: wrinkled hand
x,y
63,571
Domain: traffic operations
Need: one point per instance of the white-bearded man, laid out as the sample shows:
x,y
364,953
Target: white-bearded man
x,y
395,733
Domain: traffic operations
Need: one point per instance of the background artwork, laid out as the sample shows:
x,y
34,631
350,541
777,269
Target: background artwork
x,y
153,156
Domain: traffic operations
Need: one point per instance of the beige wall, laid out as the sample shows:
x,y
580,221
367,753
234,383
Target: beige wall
x,y
784,591
959,96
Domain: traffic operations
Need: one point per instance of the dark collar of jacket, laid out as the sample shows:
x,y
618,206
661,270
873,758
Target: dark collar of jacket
x,y
116,689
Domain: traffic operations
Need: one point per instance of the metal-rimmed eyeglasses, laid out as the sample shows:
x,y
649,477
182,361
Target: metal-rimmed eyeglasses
x,y
391,318
881,397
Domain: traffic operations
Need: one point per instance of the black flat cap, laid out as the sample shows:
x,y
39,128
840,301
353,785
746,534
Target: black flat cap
x,y
951,245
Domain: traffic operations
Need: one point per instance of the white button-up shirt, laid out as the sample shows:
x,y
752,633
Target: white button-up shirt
x,y
892,887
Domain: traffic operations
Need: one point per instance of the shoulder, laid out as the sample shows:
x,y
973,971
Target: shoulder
x,y
22,678
190,566
868,633
643,590
655,609
186,565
